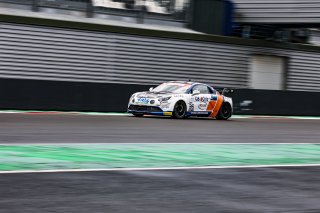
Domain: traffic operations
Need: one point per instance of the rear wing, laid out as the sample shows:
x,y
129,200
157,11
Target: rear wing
x,y
227,90
223,91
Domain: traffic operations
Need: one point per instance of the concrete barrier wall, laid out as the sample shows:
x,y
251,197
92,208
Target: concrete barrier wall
x,y
276,102
24,94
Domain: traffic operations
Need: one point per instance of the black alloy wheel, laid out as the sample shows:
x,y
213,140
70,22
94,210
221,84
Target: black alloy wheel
x,y
225,112
179,110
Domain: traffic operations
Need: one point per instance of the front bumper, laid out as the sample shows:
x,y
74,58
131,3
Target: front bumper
x,y
149,110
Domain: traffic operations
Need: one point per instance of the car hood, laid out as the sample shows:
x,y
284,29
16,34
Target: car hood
x,y
148,94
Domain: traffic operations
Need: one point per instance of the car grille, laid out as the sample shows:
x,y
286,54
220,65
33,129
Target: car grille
x,y
144,108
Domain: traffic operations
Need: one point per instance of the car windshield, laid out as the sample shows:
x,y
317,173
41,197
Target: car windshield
x,y
171,87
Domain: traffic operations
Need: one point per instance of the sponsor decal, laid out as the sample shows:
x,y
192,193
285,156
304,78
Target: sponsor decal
x,y
191,107
199,113
214,97
202,106
201,99
143,100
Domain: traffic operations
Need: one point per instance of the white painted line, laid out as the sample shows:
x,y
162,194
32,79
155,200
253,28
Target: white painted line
x,y
149,144
129,114
158,168
306,118
9,112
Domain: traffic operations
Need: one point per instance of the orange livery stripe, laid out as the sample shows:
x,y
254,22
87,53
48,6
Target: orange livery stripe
x,y
217,107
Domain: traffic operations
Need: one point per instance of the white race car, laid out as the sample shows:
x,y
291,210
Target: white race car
x,y
180,100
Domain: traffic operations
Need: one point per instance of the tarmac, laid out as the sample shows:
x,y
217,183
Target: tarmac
x,y
74,128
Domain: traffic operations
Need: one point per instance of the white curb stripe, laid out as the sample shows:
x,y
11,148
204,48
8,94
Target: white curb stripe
x,y
59,145
128,114
157,168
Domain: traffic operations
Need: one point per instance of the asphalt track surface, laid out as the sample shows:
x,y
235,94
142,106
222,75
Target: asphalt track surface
x,y
247,190
285,190
62,128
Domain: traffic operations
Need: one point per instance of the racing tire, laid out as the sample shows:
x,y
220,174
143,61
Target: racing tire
x,y
137,114
179,110
225,112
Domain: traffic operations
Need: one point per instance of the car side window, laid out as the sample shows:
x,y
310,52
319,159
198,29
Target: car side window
x,y
202,88
212,91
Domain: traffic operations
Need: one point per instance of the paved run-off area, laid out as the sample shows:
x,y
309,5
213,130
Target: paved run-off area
x,y
95,163
245,190
111,156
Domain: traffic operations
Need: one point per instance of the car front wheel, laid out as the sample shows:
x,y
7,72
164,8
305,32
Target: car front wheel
x,y
180,109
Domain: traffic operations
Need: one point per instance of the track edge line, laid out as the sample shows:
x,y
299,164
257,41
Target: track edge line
x,y
157,168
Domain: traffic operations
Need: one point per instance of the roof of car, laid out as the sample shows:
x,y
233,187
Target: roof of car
x,y
183,82
191,83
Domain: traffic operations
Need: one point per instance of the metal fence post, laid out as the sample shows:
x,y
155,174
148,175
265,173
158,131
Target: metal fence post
x,y
90,9
35,5
141,13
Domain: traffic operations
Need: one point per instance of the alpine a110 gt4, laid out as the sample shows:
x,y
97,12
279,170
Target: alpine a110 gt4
x,y
182,99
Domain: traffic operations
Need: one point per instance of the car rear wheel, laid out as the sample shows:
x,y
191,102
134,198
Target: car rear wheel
x,y
225,112
179,110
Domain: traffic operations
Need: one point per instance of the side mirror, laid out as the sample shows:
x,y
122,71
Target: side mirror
x,y
150,89
195,92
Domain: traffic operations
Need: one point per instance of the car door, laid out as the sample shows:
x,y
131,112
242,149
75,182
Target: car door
x,y
201,101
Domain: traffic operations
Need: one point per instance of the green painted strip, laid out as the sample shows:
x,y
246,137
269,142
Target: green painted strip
x,y
87,156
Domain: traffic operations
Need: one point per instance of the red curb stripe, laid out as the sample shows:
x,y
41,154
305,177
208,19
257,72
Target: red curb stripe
x,y
42,113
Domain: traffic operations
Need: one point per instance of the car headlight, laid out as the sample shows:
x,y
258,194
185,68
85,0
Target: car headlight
x,y
164,99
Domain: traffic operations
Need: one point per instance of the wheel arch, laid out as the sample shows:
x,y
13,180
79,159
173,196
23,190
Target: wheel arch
x,y
220,115
175,113
182,100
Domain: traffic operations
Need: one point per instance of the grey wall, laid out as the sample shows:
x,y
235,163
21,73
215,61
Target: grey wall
x,y
267,72
49,53
277,11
